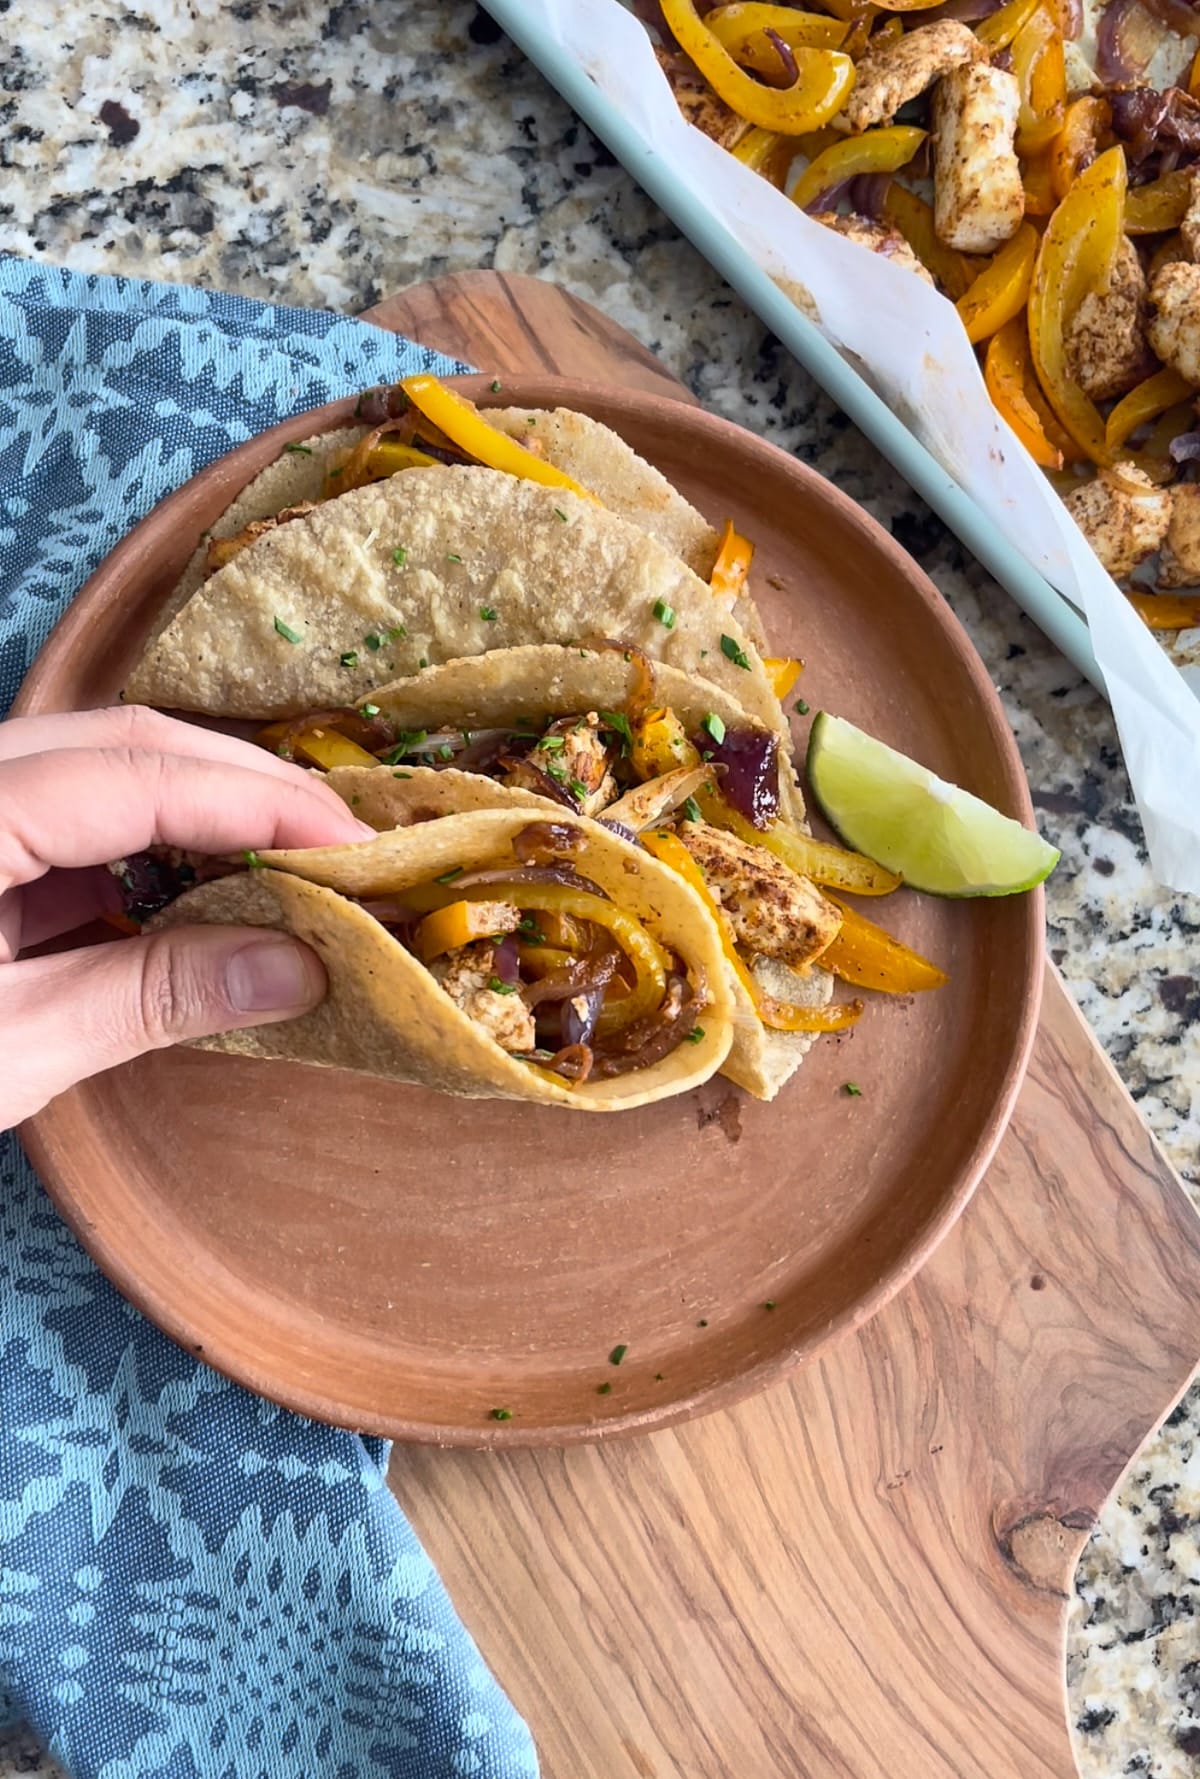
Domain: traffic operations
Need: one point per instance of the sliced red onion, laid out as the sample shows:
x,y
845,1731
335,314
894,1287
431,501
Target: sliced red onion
x,y
1071,15
506,965
530,874
790,72
619,829
1176,15
580,1013
573,1062
868,194
830,198
648,1040
1126,39
377,406
750,775
1185,447
530,776
969,11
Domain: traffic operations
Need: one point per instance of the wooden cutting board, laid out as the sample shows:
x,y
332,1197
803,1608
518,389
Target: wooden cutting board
x,y
865,1571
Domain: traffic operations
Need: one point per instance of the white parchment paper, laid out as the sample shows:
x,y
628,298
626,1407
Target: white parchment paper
x,y
910,344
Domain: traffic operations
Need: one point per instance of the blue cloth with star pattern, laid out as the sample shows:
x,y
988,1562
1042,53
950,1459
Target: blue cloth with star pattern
x,y
194,1584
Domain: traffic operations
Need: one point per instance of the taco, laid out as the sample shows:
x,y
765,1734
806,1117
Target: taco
x,y
681,769
422,569
511,953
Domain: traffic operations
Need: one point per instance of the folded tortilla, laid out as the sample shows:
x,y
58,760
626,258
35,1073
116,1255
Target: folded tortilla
x,y
527,686
385,1013
423,568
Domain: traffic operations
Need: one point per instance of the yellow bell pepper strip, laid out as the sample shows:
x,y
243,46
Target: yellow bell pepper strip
x,y
1038,179
1037,62
1165,389
734,556
1077,255
1004,371
462,423
459,923
1161,205
866,956
859,34
1167,611
783,672
373,460
912,217
1193,79
906,5
778,1015
877,151
998,31
766,152
832,866
1154,453
740,29
660,745
1002,290
321,747
1087,129
825,77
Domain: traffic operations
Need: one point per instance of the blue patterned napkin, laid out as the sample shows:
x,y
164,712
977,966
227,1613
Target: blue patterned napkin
x,y
194,1584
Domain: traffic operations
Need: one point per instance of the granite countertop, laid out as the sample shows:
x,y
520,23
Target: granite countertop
x,y
331,154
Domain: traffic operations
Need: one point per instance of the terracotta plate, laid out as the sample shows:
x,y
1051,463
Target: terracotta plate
x,y
402,1263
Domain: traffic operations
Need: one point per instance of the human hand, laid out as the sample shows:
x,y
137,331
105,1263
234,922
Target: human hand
x,y
78,791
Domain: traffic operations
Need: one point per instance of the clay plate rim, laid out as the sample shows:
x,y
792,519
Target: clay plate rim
x,y
42,691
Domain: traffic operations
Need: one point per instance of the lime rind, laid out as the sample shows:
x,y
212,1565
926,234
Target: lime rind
x,y
939,838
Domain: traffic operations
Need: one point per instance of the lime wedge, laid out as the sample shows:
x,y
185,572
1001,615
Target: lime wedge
x,y
939,838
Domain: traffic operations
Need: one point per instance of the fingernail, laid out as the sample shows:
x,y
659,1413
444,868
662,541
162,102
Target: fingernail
x,y
272,974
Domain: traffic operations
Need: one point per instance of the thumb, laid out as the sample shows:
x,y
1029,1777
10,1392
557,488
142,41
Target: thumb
x,y
65,1017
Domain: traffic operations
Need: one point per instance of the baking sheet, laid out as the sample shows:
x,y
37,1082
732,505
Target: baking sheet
x,y
918,372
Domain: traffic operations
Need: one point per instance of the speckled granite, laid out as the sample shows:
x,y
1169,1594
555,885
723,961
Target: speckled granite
x,y
333,153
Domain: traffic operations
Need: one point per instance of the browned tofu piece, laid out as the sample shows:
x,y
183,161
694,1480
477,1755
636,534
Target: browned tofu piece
x,y
1107,348
771,909
223,549
1179,564
892,73
1175,319
877,237
978,196
1123,515
465,975
697,101
573,754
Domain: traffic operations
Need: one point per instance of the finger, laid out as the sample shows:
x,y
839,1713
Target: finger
x,y
137,726
61,901
76,808
67,1017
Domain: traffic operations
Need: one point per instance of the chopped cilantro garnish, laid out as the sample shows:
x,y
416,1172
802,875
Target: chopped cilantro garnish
x,y
696,1035
395,633
665,614
354,802
603,1389
713,725
337,471
445,752
552,744
451,557
253,860
531,419
399,555
852,1090
407,742
286,631
350,658
658,1377
369,710
373,642
802,706
488,613
501,988
734,652
299,450
496,387
703,1322
578,789
769,1304
691,810
557,773
502,1414
618,721
618,1353
449,876
401,774
422,663
559,512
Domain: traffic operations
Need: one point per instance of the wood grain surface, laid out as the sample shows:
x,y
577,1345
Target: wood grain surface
x,y
864,1571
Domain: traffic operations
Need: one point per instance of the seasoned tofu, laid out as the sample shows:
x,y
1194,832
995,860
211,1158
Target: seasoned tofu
x,y
877,237
698,103
1189,228
1179,564
1107,348
1123,515
771,909
1175,319
465,975
572,753
892,73
978,197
